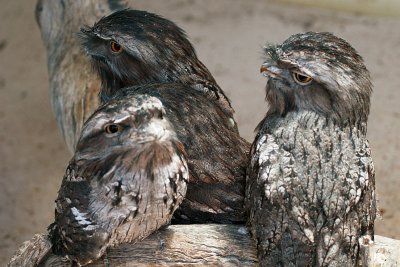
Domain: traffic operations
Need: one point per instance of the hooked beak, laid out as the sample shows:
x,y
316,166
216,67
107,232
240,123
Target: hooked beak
x,y
263,68
271,71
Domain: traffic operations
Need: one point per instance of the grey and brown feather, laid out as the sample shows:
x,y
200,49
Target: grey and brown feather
x,y
151,50
311,184
123,182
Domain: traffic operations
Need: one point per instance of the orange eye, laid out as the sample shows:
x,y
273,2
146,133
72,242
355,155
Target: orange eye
x,y
301,78
112,128
116,47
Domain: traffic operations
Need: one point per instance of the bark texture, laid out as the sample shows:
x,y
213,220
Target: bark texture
x,y
192,245
74,86
175,245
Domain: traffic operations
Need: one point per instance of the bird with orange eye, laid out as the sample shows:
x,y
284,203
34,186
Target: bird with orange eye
x,y
133,48
115,47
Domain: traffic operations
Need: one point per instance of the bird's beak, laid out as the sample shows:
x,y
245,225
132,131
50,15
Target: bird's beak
x,y
263,68
271,71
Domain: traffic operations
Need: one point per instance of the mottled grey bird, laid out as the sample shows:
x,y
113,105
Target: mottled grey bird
x,y
130,48
127,177
310,185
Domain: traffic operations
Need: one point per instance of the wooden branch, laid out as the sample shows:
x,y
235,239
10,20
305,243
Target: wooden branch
x,y
175,245
189,245
74,87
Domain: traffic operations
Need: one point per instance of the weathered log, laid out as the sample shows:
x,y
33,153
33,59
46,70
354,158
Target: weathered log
x,y
74,87
176,245
189,245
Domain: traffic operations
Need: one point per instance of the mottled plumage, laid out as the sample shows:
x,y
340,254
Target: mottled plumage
x,y
131,48
127,177
153,50
216,184
310,185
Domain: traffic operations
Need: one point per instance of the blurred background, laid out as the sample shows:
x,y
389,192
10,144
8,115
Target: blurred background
x,y
228,36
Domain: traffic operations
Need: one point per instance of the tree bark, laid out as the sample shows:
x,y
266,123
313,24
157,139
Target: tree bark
x,y
175,245
74,87
190,245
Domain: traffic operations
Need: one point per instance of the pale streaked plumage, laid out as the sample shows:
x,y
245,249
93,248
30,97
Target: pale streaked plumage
x,y
310,185
126,179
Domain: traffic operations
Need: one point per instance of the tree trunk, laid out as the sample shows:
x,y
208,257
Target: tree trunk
x,y
74,87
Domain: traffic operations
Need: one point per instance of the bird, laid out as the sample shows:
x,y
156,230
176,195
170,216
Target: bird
x,y
127,177
310,185
73,85
133,48
211,154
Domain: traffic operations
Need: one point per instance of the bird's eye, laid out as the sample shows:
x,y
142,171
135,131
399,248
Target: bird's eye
x,y
301,78
116,47
112,128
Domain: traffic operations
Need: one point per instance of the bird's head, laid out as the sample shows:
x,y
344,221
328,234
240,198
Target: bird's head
x,y
133,47
121,132
318,72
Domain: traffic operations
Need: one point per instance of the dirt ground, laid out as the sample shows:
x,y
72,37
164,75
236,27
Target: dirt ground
x,y
228,36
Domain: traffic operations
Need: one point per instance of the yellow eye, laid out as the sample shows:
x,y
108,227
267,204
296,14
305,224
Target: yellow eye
x,y
301,78
112,128
116,47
